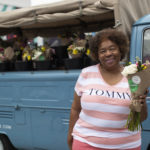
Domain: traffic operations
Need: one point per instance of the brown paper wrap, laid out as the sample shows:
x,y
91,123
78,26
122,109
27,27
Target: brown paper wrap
x,y
144,76
139,83
145,81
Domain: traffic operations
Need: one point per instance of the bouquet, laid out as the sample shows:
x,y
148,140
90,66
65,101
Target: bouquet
x,y
138,76
43,53
75,51
26,53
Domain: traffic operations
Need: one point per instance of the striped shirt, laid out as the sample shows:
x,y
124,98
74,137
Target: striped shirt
x,y
104,112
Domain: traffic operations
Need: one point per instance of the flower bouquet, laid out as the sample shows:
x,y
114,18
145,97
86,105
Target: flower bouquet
x,y
75,51
26,54
42,57
138,78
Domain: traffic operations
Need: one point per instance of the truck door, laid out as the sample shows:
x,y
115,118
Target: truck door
x,y
140,46
146,56
50,101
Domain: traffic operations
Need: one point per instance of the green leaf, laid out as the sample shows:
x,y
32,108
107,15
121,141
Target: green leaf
x,y
133,86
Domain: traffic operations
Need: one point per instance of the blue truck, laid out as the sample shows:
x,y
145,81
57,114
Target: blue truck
x,y
35,105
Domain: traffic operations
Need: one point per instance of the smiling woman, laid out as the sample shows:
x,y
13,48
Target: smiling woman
x,y
102,98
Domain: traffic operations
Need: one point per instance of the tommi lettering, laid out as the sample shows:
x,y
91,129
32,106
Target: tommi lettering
x,y
99,92
109,94
121,96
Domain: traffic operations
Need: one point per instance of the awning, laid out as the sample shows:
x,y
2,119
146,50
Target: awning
x,y
70,16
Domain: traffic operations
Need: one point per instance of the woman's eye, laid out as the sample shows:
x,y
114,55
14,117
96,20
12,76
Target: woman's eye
x,y
112,48
102,51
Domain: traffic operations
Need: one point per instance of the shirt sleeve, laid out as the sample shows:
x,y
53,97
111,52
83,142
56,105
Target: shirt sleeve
x,y
79,84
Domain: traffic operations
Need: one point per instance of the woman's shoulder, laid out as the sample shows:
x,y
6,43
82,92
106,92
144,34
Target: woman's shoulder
x,y
90,69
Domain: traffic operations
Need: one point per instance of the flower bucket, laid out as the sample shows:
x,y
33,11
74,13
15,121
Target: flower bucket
x,y
42,65
4,66
11,66
75,63
89,62
75,55
23,66
60,54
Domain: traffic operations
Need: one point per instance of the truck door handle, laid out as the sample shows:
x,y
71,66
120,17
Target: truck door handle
x,y
17,107
42,110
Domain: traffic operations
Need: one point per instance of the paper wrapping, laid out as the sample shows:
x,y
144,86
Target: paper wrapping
x,y
140,82
144,83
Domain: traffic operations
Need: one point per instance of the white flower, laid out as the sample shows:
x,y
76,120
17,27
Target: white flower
x,y
131,69
79,48
36,55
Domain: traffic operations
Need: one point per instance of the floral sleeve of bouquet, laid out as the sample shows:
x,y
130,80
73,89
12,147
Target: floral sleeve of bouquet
x,y
138,76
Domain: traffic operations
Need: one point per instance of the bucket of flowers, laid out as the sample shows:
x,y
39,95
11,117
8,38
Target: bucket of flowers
x,y
26,63
75,51
6,56
75,54
3,65
43,57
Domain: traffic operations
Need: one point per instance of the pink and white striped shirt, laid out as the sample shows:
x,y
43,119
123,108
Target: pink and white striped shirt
x,y
104,112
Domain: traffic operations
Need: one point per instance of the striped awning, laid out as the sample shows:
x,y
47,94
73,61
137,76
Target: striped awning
x,y
6,7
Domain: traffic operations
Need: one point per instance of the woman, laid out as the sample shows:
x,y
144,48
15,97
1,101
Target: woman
x,y
102,97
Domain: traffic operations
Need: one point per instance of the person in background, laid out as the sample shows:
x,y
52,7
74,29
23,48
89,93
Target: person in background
x,y
102,98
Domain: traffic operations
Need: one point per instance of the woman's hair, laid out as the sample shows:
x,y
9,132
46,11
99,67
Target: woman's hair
x,y
117,37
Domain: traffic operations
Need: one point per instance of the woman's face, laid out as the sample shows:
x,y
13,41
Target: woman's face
x,y
109,55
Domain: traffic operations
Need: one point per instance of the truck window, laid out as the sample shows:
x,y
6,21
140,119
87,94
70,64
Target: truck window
x,y
146,46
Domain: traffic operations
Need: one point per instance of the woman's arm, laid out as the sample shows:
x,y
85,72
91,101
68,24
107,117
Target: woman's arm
x,y
74,115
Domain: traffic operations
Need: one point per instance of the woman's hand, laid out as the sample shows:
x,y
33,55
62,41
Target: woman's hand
x,y
70,140
74,116
137,104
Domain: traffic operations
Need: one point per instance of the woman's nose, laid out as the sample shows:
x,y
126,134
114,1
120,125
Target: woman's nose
x,y
108,52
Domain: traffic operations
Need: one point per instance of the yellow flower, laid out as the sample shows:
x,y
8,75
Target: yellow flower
x,y
144,67
24,55
69,49
129,63
43,49
75,51
22,48
88,52
29,57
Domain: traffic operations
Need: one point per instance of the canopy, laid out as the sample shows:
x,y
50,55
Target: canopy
x,y
75,15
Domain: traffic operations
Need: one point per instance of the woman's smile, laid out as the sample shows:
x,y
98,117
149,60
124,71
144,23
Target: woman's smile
x,y
110,60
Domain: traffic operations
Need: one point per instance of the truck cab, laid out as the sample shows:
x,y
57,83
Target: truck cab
x,y
140,46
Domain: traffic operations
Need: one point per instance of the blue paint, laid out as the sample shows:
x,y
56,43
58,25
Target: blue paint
x,y
36,106
136,49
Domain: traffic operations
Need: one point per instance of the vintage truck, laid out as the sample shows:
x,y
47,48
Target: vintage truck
x,y
35,105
